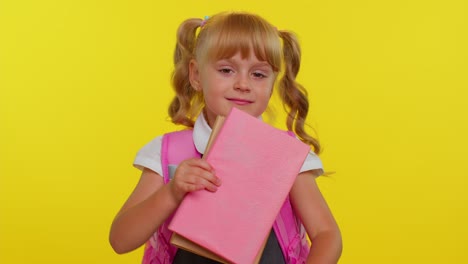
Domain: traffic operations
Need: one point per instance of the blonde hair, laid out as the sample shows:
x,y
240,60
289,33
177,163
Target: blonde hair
x,y
222,36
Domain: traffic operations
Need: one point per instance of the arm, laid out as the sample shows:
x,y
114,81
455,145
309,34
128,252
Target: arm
x,y
321,227
152,202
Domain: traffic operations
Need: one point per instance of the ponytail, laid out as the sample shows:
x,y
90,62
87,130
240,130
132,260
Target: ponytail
x,y
187,102
292,94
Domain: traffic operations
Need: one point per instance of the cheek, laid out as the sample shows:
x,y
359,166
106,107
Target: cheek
x,y
269,90
266,96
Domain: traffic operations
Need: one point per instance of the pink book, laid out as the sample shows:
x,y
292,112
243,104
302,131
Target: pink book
x,y
257,164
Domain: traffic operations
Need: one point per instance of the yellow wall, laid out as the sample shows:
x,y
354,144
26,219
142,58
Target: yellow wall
x,y
84,84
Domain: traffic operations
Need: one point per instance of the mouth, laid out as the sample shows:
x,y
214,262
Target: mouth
x,y
239,101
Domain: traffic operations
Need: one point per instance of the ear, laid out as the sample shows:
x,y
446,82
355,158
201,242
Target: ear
x,y
194,75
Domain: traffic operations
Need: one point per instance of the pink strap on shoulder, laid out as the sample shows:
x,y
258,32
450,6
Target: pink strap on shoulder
x,y
176,147
181,148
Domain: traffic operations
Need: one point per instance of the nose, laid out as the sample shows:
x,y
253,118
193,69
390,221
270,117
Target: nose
x,y
242,84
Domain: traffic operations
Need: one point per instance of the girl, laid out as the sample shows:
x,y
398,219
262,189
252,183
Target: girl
x,y
229,60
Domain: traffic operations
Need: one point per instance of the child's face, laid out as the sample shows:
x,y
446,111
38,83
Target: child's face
x,y
234,82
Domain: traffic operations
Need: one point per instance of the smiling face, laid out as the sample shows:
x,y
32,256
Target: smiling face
x,y
244,83
236,58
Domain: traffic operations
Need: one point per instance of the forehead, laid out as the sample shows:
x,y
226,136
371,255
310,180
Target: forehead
x,y
242,50
238,59
224,38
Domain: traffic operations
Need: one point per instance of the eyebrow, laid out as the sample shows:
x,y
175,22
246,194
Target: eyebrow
x,y
257,64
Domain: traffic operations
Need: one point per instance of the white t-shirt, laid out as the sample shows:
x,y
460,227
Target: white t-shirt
x,y
150,155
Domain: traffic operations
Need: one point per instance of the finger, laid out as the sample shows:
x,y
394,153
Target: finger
x,y
211,187
193,179
202,185
193,187
206,184
209,177
200,163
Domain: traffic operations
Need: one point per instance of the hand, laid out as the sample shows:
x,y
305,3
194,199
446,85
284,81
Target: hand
x,y
193,175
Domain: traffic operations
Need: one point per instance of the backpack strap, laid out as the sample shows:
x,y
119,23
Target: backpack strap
x,y
290,232
176,147
291,235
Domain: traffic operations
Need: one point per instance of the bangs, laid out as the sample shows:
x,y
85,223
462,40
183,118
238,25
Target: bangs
x,y
224,36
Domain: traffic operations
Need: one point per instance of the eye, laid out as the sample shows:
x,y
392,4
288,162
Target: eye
x,y
225,70
259,75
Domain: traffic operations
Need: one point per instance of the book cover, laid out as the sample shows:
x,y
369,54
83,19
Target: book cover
x,y
257,164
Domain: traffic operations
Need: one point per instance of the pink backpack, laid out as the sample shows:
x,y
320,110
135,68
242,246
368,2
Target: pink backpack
x,y
178,146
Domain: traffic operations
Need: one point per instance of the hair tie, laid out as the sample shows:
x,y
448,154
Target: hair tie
x,y
204,21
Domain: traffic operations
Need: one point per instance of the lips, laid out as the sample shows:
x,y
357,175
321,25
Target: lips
x,y
239,101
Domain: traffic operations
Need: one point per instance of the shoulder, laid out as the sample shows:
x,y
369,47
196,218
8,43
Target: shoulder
x,y
149,156
153,147
312,162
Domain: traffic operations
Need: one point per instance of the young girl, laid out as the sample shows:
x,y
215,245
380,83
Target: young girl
x,y
228,60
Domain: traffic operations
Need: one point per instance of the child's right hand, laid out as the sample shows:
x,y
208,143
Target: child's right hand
x,y
193,175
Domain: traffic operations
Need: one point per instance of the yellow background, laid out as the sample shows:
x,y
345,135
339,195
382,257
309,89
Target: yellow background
x,y
84,84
